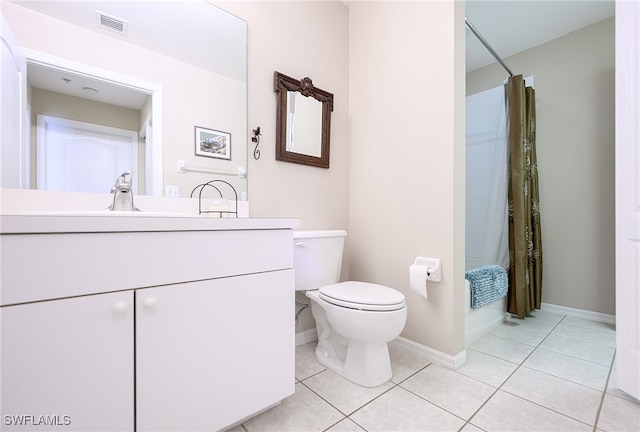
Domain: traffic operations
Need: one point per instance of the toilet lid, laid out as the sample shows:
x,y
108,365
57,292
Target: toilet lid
x,y
363,296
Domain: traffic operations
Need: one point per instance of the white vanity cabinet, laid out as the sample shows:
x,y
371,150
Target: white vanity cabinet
x,y
210,353
68,364
174,326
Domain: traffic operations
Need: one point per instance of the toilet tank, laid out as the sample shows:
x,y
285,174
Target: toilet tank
x,y
317,258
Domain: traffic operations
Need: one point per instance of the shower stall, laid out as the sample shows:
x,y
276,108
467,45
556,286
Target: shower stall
x,y
487,235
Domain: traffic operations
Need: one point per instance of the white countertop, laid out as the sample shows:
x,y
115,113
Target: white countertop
x,y
71,223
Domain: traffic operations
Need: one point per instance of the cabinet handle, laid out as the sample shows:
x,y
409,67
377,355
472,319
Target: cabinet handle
x,y
301,244
150,302
120,307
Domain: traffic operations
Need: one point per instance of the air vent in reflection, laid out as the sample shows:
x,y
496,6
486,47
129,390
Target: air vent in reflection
x,y
112,23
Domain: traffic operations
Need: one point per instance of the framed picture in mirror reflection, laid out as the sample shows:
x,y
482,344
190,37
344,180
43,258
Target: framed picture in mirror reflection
x,y
213,143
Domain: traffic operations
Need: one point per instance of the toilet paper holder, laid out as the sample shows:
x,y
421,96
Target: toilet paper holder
x,y
434,268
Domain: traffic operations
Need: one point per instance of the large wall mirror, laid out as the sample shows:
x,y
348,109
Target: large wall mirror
x,y
303,121
157,68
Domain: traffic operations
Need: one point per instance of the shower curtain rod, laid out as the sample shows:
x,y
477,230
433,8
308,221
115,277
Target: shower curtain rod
x,y
486,45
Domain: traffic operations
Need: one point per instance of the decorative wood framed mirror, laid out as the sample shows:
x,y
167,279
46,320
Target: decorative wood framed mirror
x,y
303,121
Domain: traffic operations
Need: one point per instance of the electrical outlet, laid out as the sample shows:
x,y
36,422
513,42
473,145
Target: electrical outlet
x,y
171,190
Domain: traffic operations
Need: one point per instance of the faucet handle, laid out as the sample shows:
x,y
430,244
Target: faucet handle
x,y
123,179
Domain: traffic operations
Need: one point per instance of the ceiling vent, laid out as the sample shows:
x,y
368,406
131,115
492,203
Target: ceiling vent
x,y
112,23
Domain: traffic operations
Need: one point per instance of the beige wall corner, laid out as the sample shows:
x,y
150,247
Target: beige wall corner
x,y
293,38
406,93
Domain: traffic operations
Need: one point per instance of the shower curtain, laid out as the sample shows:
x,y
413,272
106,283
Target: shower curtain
x,y
487,148
525,241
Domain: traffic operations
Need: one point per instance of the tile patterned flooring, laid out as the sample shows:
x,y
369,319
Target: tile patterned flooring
x,y
549,372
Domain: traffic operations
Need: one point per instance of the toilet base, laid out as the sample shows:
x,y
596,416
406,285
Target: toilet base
x,y
353,343
365,364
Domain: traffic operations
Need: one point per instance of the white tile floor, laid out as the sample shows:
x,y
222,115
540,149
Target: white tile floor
x,y
546,373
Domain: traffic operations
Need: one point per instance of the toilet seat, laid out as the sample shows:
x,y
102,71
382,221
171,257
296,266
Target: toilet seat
x,y
362,296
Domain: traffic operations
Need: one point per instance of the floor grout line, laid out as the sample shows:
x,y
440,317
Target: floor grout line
x,y
604,393
514,371
434,404
518,365
594,426
348,416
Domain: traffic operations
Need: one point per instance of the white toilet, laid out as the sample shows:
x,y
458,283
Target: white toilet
x,y
354,320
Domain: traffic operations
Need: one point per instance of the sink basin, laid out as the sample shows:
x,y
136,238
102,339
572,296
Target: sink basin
x,y
110,213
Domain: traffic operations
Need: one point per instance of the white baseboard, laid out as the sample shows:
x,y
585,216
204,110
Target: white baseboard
x,y
454,362
306,336
579,313
434,356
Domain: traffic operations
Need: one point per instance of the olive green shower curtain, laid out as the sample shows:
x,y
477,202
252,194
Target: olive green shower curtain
x,y
525,241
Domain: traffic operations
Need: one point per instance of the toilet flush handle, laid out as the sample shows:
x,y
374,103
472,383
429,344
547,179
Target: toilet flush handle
x,y
301,244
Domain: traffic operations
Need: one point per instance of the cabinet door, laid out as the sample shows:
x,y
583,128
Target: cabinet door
x,y
211,353
68,364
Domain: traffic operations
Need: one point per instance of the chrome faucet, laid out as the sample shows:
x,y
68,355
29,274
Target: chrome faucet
x,y
122,194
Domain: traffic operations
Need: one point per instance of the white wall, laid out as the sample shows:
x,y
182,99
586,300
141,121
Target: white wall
x,y
574,81
407,157
298,39
396,181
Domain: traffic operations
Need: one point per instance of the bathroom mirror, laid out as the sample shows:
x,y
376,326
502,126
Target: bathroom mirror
x,y
191,50
303,121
